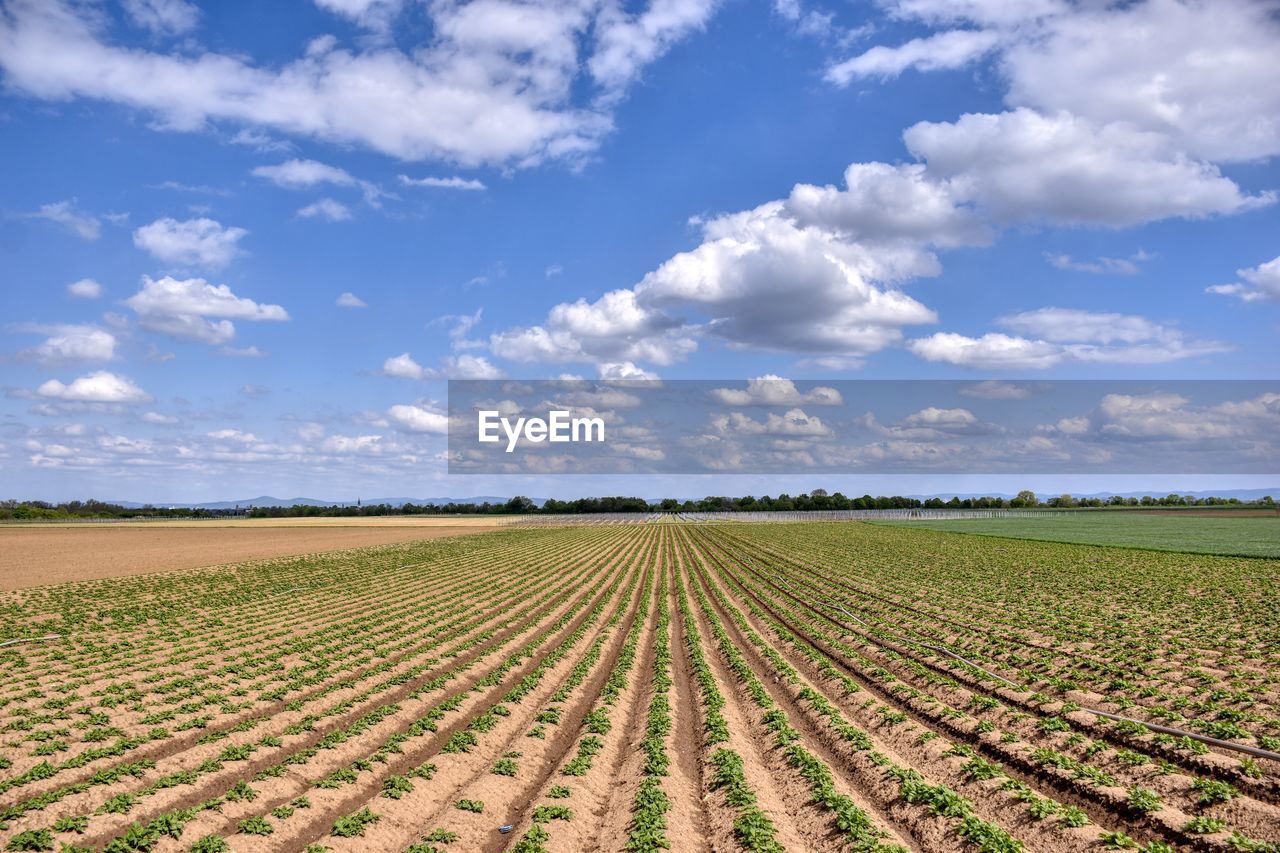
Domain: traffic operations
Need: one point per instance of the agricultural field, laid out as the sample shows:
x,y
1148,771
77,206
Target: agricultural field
x,y
725,687
50,552
1241,533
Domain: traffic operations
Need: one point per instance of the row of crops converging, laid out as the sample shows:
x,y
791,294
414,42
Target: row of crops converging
x,y
651,687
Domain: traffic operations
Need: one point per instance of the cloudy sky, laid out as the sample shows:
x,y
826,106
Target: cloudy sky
x,y
243,245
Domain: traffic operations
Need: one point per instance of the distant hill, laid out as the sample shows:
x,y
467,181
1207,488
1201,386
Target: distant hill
x,y
1239,494
269,501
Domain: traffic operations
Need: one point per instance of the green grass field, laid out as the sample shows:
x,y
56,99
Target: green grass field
x,y
1248,537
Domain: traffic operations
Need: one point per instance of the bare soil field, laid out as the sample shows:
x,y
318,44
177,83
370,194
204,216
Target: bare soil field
x,y
55,553
651,687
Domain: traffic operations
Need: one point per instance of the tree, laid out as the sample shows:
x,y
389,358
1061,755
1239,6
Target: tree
x,y
1026,497
818,493
521,504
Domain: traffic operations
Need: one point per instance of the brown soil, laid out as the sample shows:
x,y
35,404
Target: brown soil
x,y
36,556
400,630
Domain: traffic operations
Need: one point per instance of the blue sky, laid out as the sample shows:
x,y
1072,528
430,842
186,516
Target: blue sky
x,y
681,189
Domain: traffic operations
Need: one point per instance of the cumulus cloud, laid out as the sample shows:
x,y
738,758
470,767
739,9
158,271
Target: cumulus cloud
x,y
349,300
192,242
1060,335
403,367
451,183
327,209
415,418
1260,283
1026,166
495,83
623,370
85,288
70,344
1157,65
770,390
1169,416
992,351
836,300
99,387
459,366
300,174
936,418
613,329
181,308
69,216
794,423
994,389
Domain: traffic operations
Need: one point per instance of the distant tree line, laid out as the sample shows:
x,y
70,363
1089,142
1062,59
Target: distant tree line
x,y
817,500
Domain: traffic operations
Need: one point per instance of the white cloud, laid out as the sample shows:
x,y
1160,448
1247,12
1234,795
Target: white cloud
x,y
833,303
1261,283
66,214
994,389
158,419
496,82
373,14
1154,66
769,390
883,203
163,17
349,300
85,288
192,242
235,435
467,366
992,351
793,423
181,307
941,419
1063,335
328,209
1201,73
419,419
1068,324
1001,13
627,42
243,352
1100,266
462,366
451,183
99,387
300,174
614,328
623,370
1024,166
69,344
403,367
950,49
1171,417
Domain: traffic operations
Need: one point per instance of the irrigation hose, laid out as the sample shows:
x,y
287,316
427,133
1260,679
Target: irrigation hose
x,y
43,639
1257,752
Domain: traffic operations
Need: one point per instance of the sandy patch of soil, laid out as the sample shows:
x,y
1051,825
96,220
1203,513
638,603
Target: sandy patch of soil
x,y
35,555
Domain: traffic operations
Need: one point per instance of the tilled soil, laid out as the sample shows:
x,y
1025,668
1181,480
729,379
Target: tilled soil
x,y
38,555
426,694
